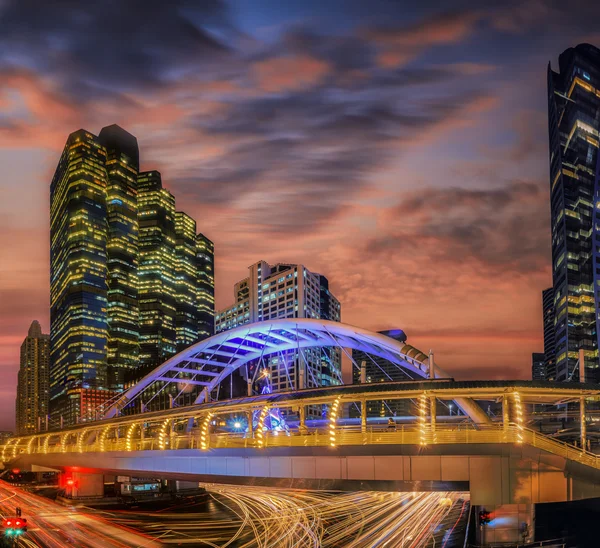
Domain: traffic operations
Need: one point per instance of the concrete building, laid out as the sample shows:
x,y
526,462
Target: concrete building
x,y
33,387
287,291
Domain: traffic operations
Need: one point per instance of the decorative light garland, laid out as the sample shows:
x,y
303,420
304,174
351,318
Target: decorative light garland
x,y
129,436
163,438
80,440
519,416
46,441
333,421
260,436
204,434
29,445
103,438
423,419
4,448
15,445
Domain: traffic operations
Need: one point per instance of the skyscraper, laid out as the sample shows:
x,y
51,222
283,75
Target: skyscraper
x,y
574,115
157,286
78,280
33,388
205,258
122,166
186,281
124,273
548,322
287,291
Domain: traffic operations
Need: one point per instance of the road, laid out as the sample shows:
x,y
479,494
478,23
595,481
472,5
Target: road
x,y
50,525
253,517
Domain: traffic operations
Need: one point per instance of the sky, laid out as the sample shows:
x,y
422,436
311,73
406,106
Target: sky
x,y
399,148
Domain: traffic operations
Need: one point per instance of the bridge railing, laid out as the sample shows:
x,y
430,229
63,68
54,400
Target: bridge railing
x,y
340,436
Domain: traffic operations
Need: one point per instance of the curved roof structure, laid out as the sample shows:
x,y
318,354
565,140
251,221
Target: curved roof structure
x,y
207,363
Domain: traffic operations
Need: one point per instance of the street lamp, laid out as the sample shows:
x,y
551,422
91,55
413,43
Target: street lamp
x,y
450,407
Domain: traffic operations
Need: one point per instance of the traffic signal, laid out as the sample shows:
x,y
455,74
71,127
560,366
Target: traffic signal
x,y
484,517
14,526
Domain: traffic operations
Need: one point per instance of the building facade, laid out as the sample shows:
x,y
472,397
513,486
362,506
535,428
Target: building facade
x,y
124,272
205,259
287,291
377,369
33,387
548,322
538,366
574,120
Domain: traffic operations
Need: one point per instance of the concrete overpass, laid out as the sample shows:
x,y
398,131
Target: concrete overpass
x,y
506,467
268,440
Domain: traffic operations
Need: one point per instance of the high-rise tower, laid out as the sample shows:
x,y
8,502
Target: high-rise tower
x,y
33,389
78,279
574,119
122,166
205,297
124,273
157,287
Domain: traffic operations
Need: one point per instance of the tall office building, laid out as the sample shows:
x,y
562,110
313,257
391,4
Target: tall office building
x,y
78,280
122,166
287,291
574,119
548,322
377,369
205,258
538,366
33,388
124,273
157,284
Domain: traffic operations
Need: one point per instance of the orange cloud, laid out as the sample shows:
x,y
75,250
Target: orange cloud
x,y
291,72
399,45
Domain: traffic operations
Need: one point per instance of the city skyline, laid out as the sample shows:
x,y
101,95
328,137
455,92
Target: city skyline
x,y
456,253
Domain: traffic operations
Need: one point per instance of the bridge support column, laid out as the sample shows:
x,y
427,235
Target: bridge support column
x,y
85,485
302,420
250,418
433,410
505,413
363,416
582,424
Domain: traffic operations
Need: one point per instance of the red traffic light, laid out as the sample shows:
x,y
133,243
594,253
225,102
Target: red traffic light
x,y
14,523
484,517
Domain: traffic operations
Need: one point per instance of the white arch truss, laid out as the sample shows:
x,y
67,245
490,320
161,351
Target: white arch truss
x,y
207,363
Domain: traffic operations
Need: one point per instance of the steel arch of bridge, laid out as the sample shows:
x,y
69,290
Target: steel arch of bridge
x,y
207,363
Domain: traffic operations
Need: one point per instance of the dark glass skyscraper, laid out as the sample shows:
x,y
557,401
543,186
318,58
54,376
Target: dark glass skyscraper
x,y
574,119
122,165
548,321
205,258
124,273
186,281
78,279
33,390
157,291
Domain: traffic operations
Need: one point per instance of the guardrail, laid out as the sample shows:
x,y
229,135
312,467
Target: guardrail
x,y
340,436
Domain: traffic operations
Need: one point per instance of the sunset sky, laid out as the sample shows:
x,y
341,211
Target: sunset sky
x,y
399,148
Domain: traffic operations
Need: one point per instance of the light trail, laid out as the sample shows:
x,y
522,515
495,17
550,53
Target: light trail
x,y
260,517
